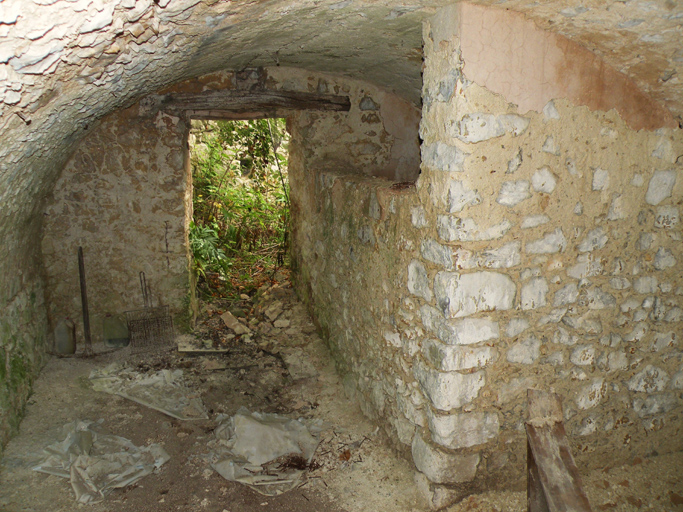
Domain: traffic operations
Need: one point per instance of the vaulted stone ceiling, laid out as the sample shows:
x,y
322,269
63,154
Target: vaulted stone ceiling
x,y
66,63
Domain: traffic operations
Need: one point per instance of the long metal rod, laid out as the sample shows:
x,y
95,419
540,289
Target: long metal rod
x,y
84,303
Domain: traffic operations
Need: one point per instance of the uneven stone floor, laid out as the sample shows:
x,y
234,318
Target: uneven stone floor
x,y
283,367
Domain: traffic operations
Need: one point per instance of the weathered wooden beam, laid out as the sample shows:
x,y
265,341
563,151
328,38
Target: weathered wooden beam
x,y
553,481
255,104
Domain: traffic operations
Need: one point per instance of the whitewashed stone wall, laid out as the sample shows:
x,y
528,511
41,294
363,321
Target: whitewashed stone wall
x,y
538,250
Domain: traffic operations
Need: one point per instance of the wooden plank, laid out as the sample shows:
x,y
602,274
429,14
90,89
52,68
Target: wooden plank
x,y
218,104
554,483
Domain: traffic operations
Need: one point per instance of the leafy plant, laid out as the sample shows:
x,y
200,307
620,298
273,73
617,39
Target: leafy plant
x,y
241,202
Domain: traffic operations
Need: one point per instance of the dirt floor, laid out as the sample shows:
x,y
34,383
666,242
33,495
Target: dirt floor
x,y
280,366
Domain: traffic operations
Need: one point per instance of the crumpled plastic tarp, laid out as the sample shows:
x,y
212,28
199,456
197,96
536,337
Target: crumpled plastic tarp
x,y
163,391
256,449
96,463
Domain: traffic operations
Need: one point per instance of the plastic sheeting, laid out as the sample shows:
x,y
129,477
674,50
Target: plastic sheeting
x,y
163,391
96,463
264,451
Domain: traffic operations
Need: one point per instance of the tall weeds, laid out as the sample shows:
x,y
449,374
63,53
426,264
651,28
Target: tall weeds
x,y
239,232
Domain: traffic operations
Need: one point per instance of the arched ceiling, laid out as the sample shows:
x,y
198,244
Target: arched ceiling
x,y
66,63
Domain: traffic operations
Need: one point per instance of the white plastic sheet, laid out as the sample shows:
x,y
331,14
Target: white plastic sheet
x,y
257,450
96,463
163,391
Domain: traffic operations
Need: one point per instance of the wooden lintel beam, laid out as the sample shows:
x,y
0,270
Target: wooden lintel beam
x,y
221,104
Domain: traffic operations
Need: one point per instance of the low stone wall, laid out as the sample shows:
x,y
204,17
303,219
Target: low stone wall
x,y
537,250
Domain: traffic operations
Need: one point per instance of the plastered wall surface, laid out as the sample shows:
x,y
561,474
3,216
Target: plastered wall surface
x,y
537,250
125,194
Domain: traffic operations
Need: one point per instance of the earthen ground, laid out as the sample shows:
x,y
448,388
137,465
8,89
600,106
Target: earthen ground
x,y
358,470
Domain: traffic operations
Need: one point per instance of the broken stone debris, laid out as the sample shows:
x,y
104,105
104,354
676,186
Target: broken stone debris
x,y
267,452
96,463
163,391
232,323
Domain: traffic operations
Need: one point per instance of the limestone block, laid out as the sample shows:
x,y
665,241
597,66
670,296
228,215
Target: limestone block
x,y
463,430
516,326
586,266
454,229
663,340
461,196
617,361
458,332
591,395
660,187
597,298
550,111
646,284
655,404
232,323
465,294
617,208
588,425
563,337
664,259
515,162
677,380
533,221
433,251
418,281
568,294
555,316
448,390
525,352
675,314
481,126
418,217
650,379
550,146
534,293
637,180
550,243
666,217
543,180
509,255
443,467
595,239
583,355
450,358
578,208
513,192
443,157
600,179
619,283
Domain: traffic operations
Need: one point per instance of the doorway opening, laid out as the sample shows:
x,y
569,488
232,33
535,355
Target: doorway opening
x,y
239,233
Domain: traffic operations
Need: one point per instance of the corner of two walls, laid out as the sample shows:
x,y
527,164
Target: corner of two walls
x,y
538,250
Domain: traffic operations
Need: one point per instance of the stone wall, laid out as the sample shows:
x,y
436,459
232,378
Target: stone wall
x,y
125,194
23,326
537,250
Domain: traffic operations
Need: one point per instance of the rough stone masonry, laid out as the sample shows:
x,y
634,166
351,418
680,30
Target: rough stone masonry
x,y
539,246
